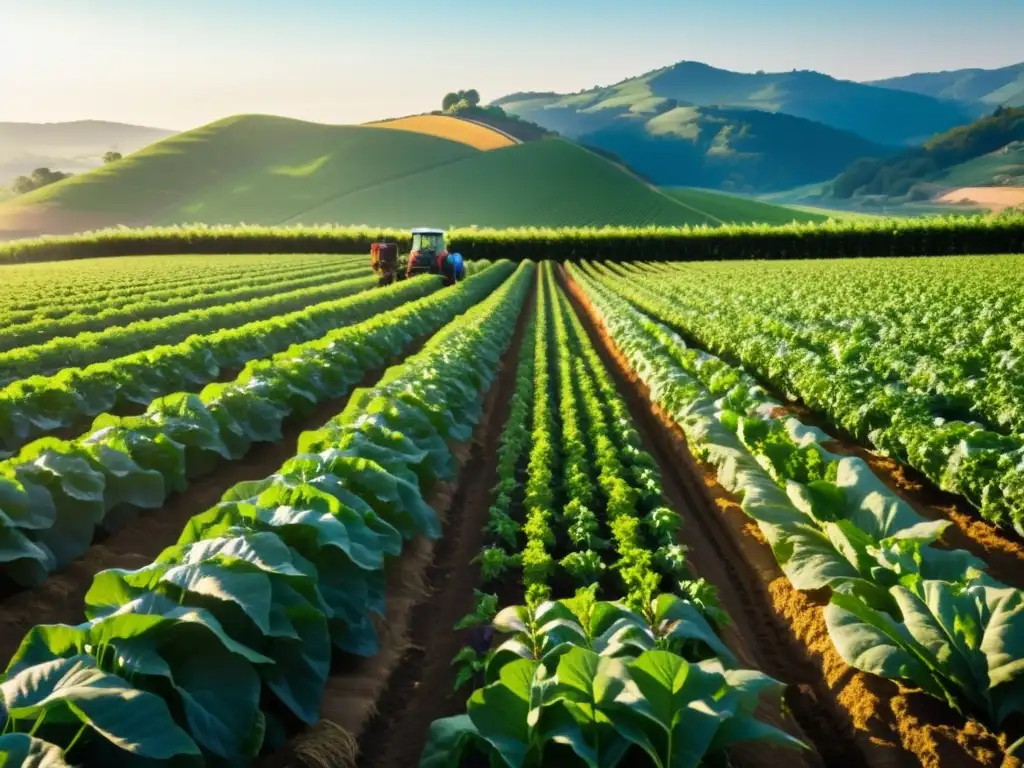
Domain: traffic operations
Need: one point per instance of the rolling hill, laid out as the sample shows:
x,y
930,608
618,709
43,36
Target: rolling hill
x,y
260,169
973,154
988,87
271,170
731,149
880,115
72,147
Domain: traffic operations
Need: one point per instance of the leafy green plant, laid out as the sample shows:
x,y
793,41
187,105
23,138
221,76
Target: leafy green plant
x,y
128,464
204,652
591,683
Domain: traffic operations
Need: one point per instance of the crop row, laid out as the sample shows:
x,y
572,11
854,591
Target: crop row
x,y
901,607
116,341
41,405
851,378
965,361
13,335
224,643
587,679
57,492
60,290
925,236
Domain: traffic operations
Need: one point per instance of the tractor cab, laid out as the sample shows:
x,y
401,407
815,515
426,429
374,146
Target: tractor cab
x,y
428,245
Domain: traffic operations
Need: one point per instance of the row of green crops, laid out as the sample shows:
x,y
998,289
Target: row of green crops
x,y
56,492
912,378
40,405
117,341
52,291
586,680
869,237
96,318
222,646
901,607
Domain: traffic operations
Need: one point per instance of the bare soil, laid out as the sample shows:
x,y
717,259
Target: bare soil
x,y
852,718
996,198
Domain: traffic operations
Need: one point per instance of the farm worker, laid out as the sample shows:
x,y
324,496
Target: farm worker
x,y
454,266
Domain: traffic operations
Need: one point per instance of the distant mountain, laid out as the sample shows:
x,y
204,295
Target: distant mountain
x,y
73,146
984,153
730,149
990,87
880,115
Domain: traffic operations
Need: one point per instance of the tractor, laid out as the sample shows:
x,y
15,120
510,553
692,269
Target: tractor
x,y
428,255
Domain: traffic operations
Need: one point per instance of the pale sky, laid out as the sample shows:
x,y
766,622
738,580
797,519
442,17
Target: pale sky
x,y
182,63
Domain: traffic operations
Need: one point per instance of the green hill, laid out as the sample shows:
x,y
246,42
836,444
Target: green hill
x,y
271,170
735,150
251,168
549,182
1004,166
71,147
899,175
990,87
733,209
880,115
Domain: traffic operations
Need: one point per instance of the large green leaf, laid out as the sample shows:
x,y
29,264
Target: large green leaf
x,y
680,713
19,750
591,687
219,691
69,690
500,712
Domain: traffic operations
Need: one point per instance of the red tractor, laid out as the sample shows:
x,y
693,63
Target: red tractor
x,y
428,255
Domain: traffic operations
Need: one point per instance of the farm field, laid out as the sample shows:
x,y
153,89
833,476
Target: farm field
x,y
756,513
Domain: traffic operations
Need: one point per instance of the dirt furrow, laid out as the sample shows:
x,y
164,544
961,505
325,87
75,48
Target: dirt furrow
x,y
376,711
852,718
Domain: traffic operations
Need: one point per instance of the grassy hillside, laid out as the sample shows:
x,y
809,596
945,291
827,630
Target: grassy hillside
x,y
899,175
730,149
549,182
990,87
1004,166
269,170
73,147
880,115
252,168
732,209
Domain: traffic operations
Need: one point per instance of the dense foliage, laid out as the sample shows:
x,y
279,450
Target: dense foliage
x,y
830,240
224,643
614,656
903,606
910,373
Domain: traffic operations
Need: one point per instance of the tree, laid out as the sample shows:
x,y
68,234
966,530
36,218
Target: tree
x,y
459,101
40,177
111,157
22,185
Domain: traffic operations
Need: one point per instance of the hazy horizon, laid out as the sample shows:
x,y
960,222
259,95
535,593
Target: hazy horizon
x,y
177,65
